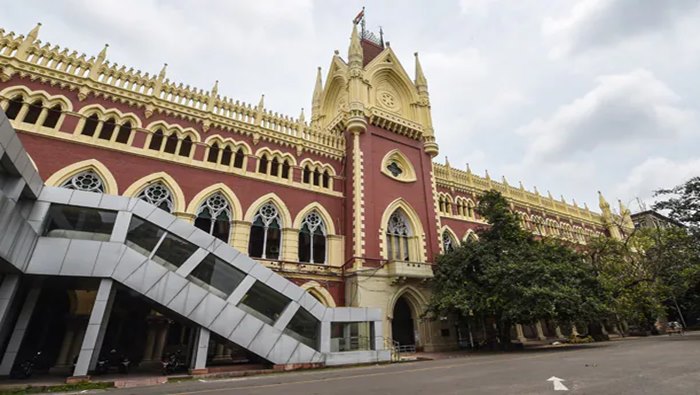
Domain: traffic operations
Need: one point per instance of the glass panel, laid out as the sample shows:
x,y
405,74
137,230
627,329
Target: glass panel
x,y
319,248
255,245
264,303
143,236
304,245
174,251
274,239
73,222
217,275
351,336
305,328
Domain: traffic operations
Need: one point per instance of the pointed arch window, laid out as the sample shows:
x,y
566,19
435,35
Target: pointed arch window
x,y
326,179
90,125
54,113
86,180
398,237
266,233
213,156
226,156
171,143
33,113
14,107
214,217
108,129
124,133
238,160
285,169
262,165
185,147
156,140
158,195
307,175
448,242
312,239
274,167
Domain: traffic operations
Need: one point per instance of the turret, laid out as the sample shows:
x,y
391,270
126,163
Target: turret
x,y
357,123
421,83
27,42
608,218
626,216
316,100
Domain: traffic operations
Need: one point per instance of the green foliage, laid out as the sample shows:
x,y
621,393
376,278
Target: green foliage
x,y
650,266
682,203
76,387
509,275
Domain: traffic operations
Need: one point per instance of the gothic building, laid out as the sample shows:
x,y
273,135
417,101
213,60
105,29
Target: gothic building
x,y
348,203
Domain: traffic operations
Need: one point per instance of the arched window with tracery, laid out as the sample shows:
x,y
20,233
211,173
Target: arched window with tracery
x,y
156,140
158,195
86,180
312,239
398,235
266,233
124,133
214,217
448,242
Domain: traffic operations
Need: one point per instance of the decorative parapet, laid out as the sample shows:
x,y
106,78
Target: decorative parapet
x,y
27,57
449,177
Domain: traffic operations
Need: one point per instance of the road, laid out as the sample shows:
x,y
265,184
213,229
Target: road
x,y
655,365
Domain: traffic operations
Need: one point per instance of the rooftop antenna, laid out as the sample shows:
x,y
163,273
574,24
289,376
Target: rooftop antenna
x,y
381,36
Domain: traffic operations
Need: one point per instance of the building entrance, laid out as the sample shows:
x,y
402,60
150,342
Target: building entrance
x,y
402,325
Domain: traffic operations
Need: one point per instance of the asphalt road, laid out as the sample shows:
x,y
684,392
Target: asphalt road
x,y
656,365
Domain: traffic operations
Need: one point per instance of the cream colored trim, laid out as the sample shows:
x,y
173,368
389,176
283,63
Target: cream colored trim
x,y
210,190
61,176
327,218
470,234
408,171
139,185
418,249
320,292
104,113
279,203
415,299
29,95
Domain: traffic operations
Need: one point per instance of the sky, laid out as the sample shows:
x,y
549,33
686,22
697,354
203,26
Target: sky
x,y
570,97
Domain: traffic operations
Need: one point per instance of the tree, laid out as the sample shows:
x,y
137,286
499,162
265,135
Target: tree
x,y
648,268
682,202
510,276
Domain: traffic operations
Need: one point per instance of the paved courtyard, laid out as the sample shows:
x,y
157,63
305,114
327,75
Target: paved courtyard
x,y
656,365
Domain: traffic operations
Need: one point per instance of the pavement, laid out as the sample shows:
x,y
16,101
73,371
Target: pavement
x,y
655,365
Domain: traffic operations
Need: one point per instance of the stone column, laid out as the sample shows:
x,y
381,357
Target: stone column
x,y
96,328
520,334
161,337
540,332
8,360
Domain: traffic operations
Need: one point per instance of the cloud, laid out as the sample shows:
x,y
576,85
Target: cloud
x,y
622,109
598,23
655,173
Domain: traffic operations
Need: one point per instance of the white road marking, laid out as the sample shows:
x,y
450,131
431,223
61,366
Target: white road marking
x,y
558,386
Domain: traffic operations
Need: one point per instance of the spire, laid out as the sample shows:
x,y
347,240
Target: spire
x,y
261,103
34,33
316,100
447,162
602,203
355,50
161,75
421,82
302,118
215,89
102,55
469,170
626,215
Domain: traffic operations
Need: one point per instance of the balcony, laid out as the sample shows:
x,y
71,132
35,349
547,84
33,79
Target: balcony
x,y
402,270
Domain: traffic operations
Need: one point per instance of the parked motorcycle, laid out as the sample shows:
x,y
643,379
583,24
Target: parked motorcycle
x,y
172,363
25,369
